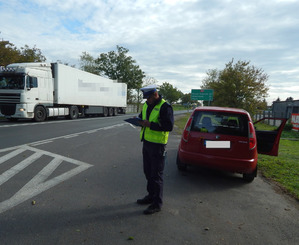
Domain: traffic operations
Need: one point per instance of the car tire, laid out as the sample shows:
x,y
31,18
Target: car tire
x,y
250,177
181,166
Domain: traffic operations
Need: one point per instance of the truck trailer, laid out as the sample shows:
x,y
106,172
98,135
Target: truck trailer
x,y
43,90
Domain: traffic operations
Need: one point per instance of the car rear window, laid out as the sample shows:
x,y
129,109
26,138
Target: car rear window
x,y
220,123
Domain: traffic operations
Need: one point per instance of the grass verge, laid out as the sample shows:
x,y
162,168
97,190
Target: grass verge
x,y
283,169
180,122
179,108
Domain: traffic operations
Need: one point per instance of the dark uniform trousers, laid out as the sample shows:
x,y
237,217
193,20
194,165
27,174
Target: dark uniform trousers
x,y
153,166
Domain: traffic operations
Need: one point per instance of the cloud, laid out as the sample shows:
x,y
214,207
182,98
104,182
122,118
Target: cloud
x,y
172,40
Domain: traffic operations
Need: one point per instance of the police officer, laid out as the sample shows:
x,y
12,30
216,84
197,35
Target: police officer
x,y
157,122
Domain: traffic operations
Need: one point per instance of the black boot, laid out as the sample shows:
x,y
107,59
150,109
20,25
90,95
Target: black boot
x,y
152,209
146,200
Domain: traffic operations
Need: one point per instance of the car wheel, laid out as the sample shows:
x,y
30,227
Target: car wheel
x,y
250,177
181,166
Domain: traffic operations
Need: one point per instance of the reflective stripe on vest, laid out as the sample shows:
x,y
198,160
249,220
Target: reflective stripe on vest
x,y
153,136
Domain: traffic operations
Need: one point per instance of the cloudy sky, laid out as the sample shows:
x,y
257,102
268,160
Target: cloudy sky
x,y
175,41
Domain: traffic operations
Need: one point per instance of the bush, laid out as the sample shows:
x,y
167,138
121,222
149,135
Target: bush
x,y
288,126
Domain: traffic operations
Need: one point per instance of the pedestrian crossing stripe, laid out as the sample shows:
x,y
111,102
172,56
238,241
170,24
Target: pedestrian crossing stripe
x,y
40,182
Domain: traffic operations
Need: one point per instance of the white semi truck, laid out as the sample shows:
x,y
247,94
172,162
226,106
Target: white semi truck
x,y
43,90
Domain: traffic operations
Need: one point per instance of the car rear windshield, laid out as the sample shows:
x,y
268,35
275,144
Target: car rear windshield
x,y
220,123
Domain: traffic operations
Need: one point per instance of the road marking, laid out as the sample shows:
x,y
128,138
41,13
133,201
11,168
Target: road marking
x,y
92,131
10,155
71,136
66,136
18,168
62,121
35,186
132,125
41,142
39,182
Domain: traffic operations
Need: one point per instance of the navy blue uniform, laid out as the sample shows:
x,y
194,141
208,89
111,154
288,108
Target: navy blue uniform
x,y
154,153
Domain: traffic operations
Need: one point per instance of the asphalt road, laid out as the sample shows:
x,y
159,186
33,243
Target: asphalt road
x,y
77,182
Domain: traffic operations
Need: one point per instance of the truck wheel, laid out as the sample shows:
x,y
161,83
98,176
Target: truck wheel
x,y
111,112
40,114
115,111
74,112
105,114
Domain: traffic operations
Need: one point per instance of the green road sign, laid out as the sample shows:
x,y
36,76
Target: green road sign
x,y
202,94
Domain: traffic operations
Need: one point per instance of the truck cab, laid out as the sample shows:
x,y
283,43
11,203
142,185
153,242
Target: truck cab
x,y
22,87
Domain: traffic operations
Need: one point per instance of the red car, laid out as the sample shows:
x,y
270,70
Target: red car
x,y
226,139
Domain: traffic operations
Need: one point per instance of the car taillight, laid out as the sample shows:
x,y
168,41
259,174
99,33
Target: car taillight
x,y
252,137
187,130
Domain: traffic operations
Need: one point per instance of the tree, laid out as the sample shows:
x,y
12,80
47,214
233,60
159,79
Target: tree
x,y
170,93
149,81
238,85
87,63
262,105
186,99
31,54
138,95
11,54
121,67
8,53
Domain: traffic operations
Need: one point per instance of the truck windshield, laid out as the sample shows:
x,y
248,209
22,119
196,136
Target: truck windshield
x,y
8,81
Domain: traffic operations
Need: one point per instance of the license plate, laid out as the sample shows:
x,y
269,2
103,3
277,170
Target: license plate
x,y
217,144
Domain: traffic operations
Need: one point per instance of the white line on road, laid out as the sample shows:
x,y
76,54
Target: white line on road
x,y
71,136
10,155
57,121
37,184
92,131
41,142
132,125
64,136
19,167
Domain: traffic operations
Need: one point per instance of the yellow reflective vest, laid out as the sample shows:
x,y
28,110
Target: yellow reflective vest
x,y
153,136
